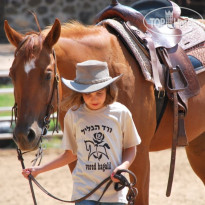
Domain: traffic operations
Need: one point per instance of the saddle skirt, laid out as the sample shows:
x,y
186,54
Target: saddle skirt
x,y
193,32
193,41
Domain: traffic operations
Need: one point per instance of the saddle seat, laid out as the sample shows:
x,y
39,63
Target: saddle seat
x,y
164,36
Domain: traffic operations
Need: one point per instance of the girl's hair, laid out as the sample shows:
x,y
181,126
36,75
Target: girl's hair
x,y
75,99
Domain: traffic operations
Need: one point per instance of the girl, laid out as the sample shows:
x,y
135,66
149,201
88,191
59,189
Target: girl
x,y
98,132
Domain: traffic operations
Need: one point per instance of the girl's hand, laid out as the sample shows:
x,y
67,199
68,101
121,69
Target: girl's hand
x,y
34,171
115,171
128,157
113,177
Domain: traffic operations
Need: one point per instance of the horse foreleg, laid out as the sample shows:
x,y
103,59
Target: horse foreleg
x,y
141,168
196,155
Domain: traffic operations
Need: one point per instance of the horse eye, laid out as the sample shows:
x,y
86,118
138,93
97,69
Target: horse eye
x,y
48,75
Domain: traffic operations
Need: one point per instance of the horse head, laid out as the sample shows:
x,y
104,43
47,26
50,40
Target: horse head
x,y
35,77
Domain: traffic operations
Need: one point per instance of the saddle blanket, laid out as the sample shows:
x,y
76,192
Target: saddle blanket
x,y
193,40
139,55
193,32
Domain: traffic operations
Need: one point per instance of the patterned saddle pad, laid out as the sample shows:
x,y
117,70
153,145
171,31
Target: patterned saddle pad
x,y
193,41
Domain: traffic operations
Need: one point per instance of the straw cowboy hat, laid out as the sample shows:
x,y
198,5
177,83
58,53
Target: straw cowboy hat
x,y
91,76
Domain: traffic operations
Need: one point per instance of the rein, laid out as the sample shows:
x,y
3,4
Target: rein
x,y
131,195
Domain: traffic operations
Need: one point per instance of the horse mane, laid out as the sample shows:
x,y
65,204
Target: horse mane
x,y
32,42
75,29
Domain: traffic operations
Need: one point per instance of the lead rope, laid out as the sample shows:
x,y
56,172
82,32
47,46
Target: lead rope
x,y
20,158
131,195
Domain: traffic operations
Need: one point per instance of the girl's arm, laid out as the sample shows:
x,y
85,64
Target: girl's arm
x,y
66,158
128,157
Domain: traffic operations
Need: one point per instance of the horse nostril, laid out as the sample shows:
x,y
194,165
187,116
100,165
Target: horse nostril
x,y
31,135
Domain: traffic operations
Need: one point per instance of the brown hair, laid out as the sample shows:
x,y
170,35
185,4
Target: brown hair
x,y
75,99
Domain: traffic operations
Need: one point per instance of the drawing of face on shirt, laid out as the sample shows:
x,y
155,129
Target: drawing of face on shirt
x,y
97,147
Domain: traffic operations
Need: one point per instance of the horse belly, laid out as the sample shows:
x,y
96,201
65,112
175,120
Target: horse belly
x,y
162,138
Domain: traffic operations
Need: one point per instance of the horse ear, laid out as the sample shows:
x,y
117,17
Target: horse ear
x,y
53,35
13,36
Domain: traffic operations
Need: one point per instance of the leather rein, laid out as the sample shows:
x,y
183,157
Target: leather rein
x,y
131,195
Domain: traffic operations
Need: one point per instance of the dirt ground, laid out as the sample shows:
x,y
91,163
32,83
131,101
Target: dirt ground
x,y
14,189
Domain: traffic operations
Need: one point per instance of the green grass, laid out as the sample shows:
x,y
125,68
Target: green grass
x,y
6,100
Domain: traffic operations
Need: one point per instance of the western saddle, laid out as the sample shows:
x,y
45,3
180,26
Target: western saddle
x,y
161,46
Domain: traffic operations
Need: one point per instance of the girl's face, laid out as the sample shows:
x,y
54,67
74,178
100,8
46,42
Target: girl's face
x,y
95,100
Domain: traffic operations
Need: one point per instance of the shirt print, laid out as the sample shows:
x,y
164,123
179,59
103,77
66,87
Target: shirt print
x,y
97,148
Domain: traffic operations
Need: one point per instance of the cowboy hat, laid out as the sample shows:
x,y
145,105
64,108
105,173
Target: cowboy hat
x,y
91,76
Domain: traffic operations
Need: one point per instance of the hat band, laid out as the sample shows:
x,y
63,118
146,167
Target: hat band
x,y
92,81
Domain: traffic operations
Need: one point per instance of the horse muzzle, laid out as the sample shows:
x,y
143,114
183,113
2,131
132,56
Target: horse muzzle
x,y
27,139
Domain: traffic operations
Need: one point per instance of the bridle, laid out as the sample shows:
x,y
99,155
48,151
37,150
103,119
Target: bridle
x,y
50,107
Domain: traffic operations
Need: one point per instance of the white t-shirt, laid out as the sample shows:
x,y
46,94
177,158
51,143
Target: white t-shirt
x,y
98,137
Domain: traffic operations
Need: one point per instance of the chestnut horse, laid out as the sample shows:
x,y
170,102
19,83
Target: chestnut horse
x,y
33,75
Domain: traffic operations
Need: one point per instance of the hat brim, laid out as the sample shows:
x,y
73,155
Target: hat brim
x,y
88,88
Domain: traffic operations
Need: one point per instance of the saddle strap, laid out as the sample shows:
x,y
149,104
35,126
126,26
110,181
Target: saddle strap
x,y
175,117
146,43
181,138
156,65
